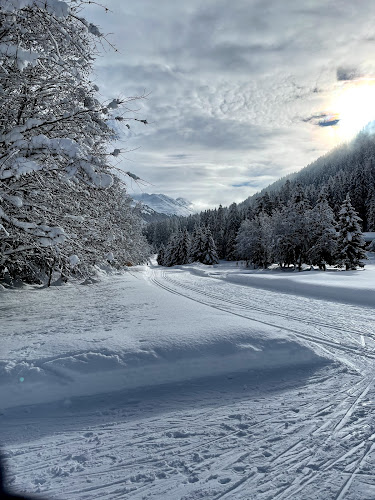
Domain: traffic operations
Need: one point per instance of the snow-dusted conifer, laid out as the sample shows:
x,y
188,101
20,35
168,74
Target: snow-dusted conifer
x,y
209,255
170,251
232,225
197,244
350,240
371,210
183,250
178,249
161,255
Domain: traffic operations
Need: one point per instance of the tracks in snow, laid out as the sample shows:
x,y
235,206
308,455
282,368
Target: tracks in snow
x,y
221,303
339,419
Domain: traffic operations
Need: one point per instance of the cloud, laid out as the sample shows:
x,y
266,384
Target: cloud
x,y
233,87
345,74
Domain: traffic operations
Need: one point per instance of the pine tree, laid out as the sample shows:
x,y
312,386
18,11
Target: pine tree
x,y
264,204
282,238
161,255
350,240
177,252
183,251
209,255
370,204
254,241
298,220
232,225
218,234
197,244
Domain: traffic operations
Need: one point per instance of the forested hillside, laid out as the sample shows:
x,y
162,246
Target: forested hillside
x,y
349,168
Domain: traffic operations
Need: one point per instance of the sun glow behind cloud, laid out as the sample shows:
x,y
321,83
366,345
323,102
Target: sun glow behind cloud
x,y
354,105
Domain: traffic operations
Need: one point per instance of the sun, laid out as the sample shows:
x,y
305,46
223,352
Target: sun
x,y
354,105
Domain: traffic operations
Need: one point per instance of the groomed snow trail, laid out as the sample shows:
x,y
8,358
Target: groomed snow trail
x,y
306,432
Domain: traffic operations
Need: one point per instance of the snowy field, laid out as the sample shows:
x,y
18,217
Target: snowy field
x,y
195,382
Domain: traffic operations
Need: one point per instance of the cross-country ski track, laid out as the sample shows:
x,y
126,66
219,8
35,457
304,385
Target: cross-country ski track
x,y
299,431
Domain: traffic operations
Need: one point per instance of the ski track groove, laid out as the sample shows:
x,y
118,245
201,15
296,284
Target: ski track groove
x,y
262,309
345,488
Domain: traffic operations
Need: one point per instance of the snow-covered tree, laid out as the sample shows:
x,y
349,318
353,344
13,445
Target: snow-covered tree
x,y
249,241
254,240
232,225
209,255
197,244
323,235
370,205
54,137
177,252
161,255
351,243
183,251
290,230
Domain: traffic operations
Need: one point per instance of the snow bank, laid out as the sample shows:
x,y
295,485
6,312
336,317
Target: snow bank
x,y
353,287
123,333
88,373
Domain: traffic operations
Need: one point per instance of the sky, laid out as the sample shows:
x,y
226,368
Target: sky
x,y
236,93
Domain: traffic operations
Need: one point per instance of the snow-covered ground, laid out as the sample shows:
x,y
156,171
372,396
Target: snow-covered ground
x,y
195,382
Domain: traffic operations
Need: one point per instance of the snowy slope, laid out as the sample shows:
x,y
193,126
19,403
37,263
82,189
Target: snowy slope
x,y
223,390
149,338
164,204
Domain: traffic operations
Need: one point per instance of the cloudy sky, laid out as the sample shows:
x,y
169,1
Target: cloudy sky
x,y
239,92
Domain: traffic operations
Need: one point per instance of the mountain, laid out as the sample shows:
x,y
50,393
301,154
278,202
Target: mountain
x,y
163,204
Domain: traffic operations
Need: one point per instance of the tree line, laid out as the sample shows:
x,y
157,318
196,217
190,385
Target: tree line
x,y
183,248
293,233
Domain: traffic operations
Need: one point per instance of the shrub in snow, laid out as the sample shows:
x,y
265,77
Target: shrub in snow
x,y
58,197
351,243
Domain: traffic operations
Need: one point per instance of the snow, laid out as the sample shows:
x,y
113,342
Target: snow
x,y
190,382
20,166
132,355
55,7
353,287
369,236
23,57
164,204
73,260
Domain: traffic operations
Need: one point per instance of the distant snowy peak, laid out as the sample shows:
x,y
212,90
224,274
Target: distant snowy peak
x,y
163,204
